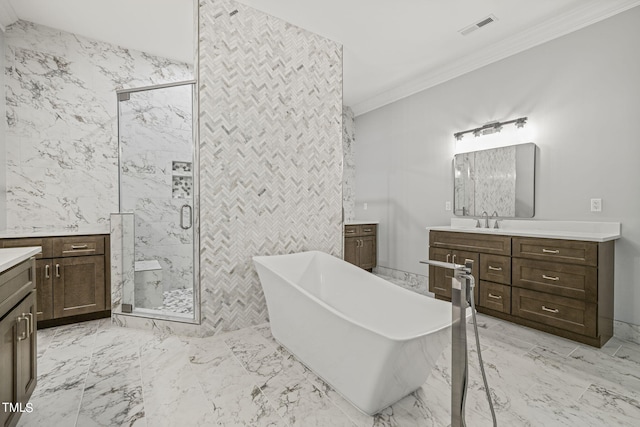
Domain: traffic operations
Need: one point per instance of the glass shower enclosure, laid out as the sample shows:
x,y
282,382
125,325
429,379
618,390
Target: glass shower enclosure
x,y
158,200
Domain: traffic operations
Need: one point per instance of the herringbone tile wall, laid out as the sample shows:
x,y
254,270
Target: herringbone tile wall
x,y
270,153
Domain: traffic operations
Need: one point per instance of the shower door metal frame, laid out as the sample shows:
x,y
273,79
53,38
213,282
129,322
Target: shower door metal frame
x,y
195,167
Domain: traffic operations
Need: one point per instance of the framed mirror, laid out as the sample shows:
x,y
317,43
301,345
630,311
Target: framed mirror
x,y
499,180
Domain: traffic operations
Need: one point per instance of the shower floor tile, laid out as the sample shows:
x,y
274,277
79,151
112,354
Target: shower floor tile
x,y
95,373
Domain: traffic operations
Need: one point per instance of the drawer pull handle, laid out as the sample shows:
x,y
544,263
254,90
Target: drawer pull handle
x,y
467,260
550,310
550,251
57,270
46,271
448,256
495,268
495,296
442,289
31,323
76,247
544,276
453,260
368,230
350,231
25,334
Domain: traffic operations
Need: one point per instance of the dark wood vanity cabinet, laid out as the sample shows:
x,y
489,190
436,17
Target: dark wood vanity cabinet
x,y
564,287
18,344
72,274
360,245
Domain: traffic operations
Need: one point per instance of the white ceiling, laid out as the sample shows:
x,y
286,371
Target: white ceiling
x,y
391,48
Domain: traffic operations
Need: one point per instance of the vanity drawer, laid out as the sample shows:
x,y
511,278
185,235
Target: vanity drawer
x,y
46,243
78,246
495,268
351,230
495,297
360,230
565,313
368,230
572,281
565,251
484,243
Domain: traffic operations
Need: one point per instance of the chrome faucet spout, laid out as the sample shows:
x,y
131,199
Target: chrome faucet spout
x,y
485,215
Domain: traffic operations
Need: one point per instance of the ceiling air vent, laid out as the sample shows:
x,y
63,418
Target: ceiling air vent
x,y
482,23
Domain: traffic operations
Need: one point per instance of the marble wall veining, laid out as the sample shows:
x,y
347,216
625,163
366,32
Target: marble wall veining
x,y
61,123
156,133
348,163
495,185
270,153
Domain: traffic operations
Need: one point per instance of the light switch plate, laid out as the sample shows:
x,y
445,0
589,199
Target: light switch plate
x,y
447,206
596,205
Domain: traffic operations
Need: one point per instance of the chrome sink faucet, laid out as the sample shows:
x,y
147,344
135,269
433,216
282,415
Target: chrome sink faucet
x,y
485,215
494,214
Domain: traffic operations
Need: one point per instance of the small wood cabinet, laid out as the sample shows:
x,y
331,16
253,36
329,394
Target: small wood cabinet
x,y
72,277
564,287
18,345
360,245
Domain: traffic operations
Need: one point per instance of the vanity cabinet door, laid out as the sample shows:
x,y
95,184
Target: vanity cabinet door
x,y
367,252
351,250
18,357
44,286
8,345
440,278
78,285
26,366
437,279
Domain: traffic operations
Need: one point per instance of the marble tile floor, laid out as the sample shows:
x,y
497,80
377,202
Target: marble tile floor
x,y
97,374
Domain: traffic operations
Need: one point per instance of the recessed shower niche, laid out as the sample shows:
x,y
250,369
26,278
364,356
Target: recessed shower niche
x,y
157,192
182,180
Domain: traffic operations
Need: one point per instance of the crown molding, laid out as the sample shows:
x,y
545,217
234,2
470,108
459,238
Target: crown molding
x,y
7,14
586,14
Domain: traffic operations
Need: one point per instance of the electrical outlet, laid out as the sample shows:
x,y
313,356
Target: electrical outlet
x,y
365,206
447,206
596,205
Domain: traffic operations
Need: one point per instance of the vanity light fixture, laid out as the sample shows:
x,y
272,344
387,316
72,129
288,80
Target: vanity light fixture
x,y
491,127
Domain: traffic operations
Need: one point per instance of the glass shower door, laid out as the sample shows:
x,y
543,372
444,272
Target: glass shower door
x,y
155,127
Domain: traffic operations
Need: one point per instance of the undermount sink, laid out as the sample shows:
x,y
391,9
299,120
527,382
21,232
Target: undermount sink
x,y
489,230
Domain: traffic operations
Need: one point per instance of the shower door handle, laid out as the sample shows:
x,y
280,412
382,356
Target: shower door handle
x,y
182,215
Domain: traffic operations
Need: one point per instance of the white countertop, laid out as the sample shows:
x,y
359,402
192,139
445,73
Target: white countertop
x,y
10,257
569,230
360,222
54,232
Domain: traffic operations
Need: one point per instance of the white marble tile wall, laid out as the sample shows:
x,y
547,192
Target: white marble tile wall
x,y
62,162
156,130
348,163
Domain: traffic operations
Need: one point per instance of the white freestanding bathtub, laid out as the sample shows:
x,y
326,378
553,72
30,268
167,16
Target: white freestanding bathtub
x,y
372,341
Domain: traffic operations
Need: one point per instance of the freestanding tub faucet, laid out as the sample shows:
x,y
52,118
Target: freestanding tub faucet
x,y
462,284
